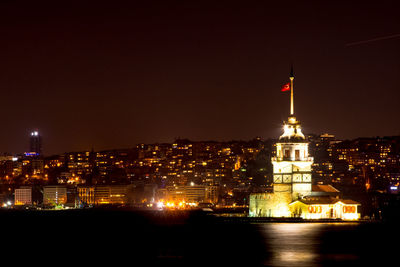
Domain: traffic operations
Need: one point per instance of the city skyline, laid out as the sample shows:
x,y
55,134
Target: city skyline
x,y
29,152
109,76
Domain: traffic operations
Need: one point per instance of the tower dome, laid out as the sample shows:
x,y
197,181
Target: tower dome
x,y
292,131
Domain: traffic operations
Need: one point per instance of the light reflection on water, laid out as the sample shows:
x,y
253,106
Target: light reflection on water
x,y
299,244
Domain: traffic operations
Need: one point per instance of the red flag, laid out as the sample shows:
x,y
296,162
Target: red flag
x,y
285,87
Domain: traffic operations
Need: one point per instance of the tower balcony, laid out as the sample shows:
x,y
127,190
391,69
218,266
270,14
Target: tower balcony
x,y
300,159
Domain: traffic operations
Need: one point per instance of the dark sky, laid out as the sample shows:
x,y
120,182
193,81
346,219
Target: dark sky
x,y
111,74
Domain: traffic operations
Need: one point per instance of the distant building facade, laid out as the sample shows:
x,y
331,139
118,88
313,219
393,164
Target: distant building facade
x,y
104,194
23,196
35,143
54,195
189,193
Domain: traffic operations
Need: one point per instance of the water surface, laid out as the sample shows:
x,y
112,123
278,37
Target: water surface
x,y
329,244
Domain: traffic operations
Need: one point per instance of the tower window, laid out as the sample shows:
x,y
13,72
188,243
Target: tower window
x,y
287,153
297,154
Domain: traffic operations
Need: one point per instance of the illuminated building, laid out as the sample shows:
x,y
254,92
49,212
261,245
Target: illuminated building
x,y
101,195
23,196
37,166
324,167
189,193
86,194
79,163
293,194
372,162
7,165
200,193
118,194
325,208
54,195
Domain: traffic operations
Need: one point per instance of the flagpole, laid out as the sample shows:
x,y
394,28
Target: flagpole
x,y
291,95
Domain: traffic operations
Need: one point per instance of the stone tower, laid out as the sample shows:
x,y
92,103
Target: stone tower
x,y
291,170
292,164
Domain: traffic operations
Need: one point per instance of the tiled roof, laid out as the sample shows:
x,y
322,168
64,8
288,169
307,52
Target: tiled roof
x,y
325,201
324,188
349,201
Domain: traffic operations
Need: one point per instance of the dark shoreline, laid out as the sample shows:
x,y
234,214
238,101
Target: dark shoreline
x,y
169,215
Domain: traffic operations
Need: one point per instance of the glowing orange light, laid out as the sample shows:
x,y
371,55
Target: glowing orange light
x,y
315,209
349,209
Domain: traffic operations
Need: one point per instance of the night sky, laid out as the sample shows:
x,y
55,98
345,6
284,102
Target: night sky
x,y
111,74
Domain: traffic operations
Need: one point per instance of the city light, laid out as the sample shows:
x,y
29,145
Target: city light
x,y
170,204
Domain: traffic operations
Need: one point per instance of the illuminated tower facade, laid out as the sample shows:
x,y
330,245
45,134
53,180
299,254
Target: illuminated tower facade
x,y
293,194
292,164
